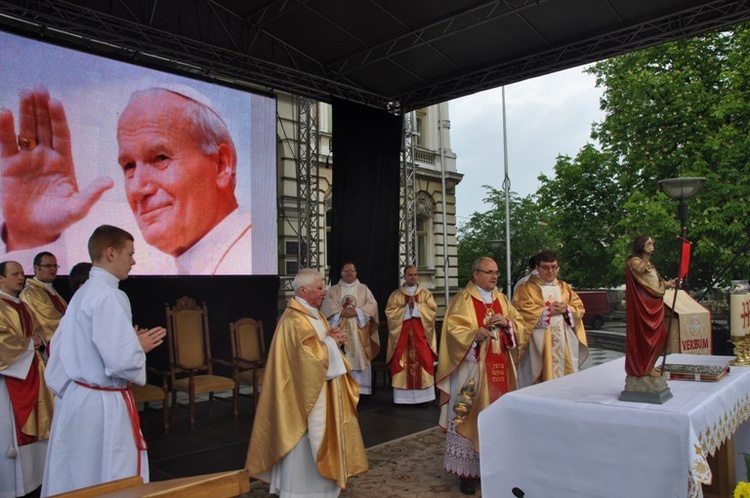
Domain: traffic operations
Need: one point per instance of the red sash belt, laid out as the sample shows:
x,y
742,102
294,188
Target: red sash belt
x,y
135,420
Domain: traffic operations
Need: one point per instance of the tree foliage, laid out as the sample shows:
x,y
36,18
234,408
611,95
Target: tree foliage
x,y
580,204
529,233
677,109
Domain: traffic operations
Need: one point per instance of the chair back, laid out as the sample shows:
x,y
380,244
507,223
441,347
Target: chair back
x,y
247,340
187,330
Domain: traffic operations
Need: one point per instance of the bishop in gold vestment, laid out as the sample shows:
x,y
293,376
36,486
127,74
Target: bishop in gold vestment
x,y
306,438
412,346
477,350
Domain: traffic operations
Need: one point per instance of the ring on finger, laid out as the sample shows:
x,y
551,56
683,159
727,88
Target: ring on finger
x,y
27,143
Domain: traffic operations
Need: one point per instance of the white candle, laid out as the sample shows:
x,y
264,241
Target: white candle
x,y
739,312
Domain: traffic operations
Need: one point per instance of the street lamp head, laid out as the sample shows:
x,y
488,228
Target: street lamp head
x,y
494,246
682,188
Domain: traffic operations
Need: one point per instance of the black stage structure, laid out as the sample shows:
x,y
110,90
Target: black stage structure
x,y
389,54
373,60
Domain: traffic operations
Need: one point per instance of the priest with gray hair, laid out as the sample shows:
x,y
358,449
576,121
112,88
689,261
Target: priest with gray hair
x,y
306,439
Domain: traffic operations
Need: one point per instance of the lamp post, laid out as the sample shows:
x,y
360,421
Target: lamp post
x,y
494,247
680,189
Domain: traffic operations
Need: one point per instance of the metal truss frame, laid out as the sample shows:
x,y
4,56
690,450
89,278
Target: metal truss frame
x,y
244,52
135,41
408,224
308,184
683,24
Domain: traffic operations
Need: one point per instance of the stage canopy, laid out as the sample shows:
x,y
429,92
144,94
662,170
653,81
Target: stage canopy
x,y
398,55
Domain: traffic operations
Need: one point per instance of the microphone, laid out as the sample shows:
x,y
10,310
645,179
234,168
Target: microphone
x,y
517,492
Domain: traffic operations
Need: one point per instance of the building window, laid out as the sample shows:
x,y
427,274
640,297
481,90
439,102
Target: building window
x,y
291,267
291,256
325,117
420,128
422,242
424,232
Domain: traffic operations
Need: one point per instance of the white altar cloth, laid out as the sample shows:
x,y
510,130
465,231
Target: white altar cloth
x,y
572,437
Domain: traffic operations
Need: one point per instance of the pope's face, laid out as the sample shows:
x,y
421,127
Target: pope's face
x,y
349,273
172,186
13,280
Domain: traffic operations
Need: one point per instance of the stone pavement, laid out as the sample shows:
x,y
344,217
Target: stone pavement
x,y
597,356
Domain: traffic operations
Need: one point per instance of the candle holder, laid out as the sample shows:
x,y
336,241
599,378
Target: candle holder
x,y
741,351
739,292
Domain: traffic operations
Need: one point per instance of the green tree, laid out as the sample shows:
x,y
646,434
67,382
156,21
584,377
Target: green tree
x,y
580,205
677,109
528,231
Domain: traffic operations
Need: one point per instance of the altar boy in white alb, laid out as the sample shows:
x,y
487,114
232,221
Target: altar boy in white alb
x,y
96,434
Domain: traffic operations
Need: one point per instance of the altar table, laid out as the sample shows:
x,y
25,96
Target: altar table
x,y
572,437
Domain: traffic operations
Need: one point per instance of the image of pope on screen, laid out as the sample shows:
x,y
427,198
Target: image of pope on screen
x,y
183,185
180,170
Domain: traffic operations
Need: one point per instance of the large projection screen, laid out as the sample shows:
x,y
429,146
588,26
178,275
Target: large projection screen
x,y
164,154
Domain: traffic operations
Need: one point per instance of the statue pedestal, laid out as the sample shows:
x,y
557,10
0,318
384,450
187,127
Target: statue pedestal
x,y
646,389
643,397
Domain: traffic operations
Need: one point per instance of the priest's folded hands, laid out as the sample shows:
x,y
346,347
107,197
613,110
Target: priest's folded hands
x,y
338,335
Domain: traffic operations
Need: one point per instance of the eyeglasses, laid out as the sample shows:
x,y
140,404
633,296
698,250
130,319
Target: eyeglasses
x,y
489,272
50,266
549,267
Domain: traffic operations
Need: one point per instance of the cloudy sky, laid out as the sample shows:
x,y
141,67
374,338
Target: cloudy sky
x,y
546,117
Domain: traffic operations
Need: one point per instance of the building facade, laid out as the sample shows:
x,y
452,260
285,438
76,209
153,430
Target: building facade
x,y
434,194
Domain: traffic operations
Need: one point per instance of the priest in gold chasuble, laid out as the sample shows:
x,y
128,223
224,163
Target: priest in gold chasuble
x,y
306,439
25,402
476,365
42,298
555,344
412,346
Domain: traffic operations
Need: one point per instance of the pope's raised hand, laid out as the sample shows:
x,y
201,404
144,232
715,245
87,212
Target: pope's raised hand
x,y
40,194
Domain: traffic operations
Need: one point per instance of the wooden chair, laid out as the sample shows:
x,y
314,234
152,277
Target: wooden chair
x,y
149,392
248,354
190,353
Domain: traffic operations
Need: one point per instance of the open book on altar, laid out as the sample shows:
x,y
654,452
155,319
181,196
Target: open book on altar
x,y
699,368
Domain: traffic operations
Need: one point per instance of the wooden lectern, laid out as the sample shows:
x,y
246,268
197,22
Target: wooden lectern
x,y
219,485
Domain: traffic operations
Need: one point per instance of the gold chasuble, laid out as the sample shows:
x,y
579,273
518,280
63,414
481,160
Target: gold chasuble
x,y
554,345
48,307
412,346
294,378
32,401
494,372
